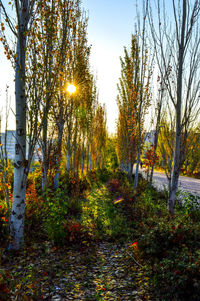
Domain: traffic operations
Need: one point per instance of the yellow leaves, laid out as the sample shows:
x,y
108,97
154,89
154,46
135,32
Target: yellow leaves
x,y
7,185
18,286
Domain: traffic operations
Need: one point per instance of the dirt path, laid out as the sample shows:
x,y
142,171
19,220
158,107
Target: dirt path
x,y
101,275
102,272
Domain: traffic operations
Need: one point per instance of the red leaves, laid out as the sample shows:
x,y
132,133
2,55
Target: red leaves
x,y
45,273
74,231
134,244
150,157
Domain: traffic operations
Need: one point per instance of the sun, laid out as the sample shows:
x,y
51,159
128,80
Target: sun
x,y
71,89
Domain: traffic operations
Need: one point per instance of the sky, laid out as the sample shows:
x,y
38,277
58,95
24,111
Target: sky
x,y
110,25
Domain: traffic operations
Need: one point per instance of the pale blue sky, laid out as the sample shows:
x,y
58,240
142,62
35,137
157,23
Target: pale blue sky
x,y
111,23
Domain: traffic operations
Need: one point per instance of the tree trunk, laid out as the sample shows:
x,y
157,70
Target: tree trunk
x,y
137,169
59,152
20,174
88,154
83,158
156,134
68,153
44,152
91,156
130,170
176,161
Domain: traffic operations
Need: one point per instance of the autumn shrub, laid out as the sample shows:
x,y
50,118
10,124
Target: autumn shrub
x,y
9,174
75,232
177,276
35,177
4,279
169,248
3,222
35,207
73,184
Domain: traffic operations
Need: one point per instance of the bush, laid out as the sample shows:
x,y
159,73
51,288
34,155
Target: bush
x,y
73,184
75,232
35,207
170,250
56,215
101,216
189,202
3,223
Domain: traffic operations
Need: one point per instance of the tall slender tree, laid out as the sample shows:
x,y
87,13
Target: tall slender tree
x,y
182,83
24,17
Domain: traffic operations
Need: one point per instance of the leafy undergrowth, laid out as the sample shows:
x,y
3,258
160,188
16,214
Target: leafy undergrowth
x,y
97,239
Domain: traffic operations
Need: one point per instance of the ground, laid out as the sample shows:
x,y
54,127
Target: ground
x,y
103,271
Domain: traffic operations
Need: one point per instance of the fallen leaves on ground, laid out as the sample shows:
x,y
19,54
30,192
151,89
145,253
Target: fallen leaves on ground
x,y
103,271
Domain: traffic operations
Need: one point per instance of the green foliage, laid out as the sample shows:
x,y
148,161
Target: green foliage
x,y
111,155
189,202
56,216
73,184
102,217
102,206
98,176
153,202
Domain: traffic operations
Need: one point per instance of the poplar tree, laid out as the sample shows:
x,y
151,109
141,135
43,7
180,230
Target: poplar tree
x,y
134,100
180,73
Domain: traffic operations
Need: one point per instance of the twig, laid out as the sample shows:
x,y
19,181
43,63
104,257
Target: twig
x,y
136,261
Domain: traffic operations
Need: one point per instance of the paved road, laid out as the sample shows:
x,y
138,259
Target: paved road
x,y
185,183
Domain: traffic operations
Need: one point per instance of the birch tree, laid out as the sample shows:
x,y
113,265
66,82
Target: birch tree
x,y
24,11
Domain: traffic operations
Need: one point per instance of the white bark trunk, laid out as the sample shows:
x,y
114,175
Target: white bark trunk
x,y
137,170
20,173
